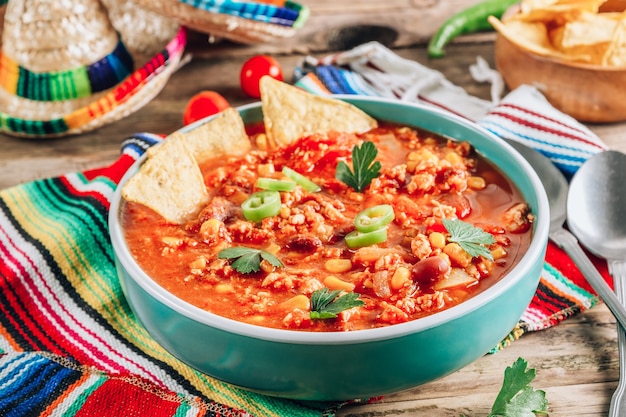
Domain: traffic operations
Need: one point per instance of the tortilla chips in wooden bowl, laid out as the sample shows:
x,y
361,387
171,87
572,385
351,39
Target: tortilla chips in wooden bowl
x,y
573,52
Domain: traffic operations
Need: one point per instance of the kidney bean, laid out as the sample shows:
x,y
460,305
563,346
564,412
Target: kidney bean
x,y
429,270
303,243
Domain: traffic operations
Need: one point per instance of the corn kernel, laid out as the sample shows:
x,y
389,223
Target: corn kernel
x,y
498,252
476,183
334,283
224,288
272,248
265,170
337,266
454,158
437,240
400,277
261,142
199,263
457,254
299,301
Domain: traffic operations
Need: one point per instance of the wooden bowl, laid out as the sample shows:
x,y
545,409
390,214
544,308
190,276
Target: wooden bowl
x,y
588,93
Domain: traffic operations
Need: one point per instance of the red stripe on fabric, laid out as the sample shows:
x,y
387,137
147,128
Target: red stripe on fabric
x,y
119,397
528,123
558,259
550,303
114,172
21,314
104,200
96,351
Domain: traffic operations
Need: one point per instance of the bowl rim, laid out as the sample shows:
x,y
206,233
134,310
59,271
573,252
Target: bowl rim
x,y
523,266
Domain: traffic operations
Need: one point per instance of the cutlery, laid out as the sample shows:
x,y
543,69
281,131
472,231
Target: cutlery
x,y
596,207
557,189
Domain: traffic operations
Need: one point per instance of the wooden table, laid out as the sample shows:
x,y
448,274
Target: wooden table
x,y
576,361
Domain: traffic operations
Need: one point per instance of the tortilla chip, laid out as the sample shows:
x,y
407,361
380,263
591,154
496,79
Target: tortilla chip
x,y
169,182
616,53
223,135
290,113
531,37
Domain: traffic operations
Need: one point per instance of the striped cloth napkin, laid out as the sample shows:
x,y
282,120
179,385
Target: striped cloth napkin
x,y
523,115
71,346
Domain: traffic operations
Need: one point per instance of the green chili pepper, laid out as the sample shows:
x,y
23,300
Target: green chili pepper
x,y
260,205
301,180
275,185
374,218
358,239
470,20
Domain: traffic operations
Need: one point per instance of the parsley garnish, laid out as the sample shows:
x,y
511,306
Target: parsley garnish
x,y
516,397
365,169
472,239
327,304
247,260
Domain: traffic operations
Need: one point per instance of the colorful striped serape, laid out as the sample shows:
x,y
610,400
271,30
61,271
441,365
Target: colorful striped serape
x,y
69,343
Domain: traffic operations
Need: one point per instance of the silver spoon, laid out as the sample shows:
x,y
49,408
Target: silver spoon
x,y
597,216
556,187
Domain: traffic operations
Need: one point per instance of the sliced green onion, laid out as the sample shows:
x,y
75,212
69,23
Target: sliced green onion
x,y
358,239
260,205
275,185
374,218
301,180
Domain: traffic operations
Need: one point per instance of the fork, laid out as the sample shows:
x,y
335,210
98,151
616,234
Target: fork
x,y
617,407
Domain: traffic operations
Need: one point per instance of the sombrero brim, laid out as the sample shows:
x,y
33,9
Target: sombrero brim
x,y
241,22
127,97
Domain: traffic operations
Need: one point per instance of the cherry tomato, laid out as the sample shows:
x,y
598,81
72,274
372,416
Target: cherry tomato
x,y
204,104
255,68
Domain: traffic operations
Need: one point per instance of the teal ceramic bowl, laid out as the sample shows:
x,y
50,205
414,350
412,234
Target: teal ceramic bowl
x,y
358,364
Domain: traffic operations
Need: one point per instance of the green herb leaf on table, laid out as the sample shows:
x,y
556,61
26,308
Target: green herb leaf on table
x,y
471,238
327,304
516,397
247,260
364,167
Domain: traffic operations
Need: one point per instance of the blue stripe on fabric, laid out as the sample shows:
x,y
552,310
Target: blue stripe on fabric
x,y
40,381
332,78
140,142
267,13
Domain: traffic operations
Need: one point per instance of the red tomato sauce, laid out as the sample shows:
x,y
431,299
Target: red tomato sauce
x,y
417,271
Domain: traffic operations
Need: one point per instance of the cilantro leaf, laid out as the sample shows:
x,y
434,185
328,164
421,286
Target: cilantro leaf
x,y
516,397
365,169
469,237
247,260
327,304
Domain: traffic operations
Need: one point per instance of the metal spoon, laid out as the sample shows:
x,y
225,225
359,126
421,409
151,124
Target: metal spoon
x,y
597,216
556,187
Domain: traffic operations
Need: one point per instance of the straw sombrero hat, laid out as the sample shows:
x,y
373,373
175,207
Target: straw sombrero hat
x,y
241,21
70,66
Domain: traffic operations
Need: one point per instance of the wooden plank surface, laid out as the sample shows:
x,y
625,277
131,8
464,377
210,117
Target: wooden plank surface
x,y
576,361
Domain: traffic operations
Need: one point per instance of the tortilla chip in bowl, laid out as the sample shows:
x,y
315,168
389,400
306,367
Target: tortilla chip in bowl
x,y
573,52
336,365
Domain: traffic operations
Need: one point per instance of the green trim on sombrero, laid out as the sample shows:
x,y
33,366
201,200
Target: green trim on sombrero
x,y
69,84
126,97
32,127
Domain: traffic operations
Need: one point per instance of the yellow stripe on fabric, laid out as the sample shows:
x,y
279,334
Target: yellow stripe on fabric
x,y
34,217
9,74
35,221
83,276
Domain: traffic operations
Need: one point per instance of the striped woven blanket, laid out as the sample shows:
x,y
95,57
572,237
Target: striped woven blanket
x,y
71,346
